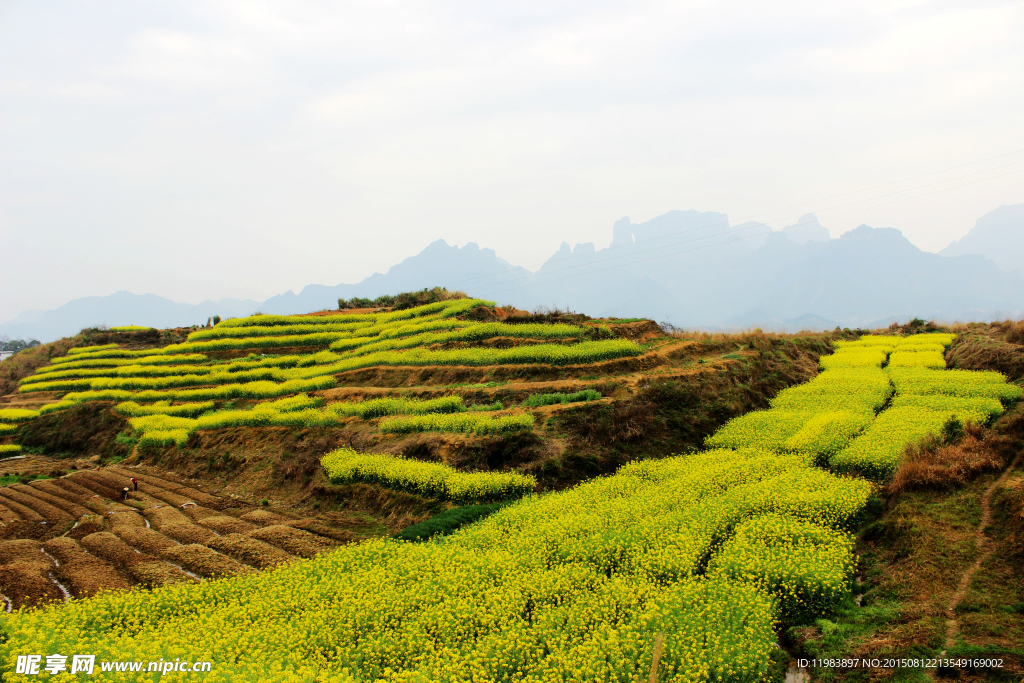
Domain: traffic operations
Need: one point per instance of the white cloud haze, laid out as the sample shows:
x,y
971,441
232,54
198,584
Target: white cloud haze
x,y
220,148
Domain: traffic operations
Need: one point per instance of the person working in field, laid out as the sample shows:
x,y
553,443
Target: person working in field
x,y
124,493
135,483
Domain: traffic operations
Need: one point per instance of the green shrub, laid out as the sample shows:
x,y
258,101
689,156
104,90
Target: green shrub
x,y
538,400
446,522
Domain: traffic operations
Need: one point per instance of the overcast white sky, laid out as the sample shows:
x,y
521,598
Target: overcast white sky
x,y
219,148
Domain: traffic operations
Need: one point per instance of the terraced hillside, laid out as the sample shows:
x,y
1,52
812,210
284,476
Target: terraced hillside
x,y
688,567
249,407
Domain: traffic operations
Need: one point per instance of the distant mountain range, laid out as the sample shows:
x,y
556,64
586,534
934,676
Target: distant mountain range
x,y
689,268
999,235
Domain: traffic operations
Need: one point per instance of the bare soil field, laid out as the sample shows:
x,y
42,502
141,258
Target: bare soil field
x,y
72,536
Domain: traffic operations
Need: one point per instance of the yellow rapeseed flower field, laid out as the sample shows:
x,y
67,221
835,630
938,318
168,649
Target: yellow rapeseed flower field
x,y
713,550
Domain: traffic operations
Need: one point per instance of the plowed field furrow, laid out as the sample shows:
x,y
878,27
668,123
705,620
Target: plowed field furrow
x,y
146,540
169,497
96,484
7,515
315,527
25,586
145,569
294,541
66,487
198,512
146,500
115,482
50,513
264,517
27,552
104,507
24,513
68,506
108,546
24,572
189,533
223,524
204,561
84,573
155,573
126,519
87,524
251,551
165,516
189,492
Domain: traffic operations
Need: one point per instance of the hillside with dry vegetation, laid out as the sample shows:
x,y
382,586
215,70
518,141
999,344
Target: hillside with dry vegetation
x,y
272,441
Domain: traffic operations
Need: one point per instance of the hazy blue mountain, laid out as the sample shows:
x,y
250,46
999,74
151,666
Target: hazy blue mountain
x,y
807,229
689,268
462,268
121,308
998,235
793,277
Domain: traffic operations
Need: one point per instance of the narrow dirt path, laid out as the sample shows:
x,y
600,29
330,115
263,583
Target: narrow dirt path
x,y
985,548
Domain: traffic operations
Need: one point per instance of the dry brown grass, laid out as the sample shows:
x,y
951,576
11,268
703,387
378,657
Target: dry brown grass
x,y
187,532
224,524
25,363
1012,330
166,516
250,551
83,573
932,464
146,540
262,517
204,561
1012,501
53,515
749,337
294,541
25,586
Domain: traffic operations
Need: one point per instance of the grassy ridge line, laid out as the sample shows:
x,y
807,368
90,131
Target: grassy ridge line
x,y
570,586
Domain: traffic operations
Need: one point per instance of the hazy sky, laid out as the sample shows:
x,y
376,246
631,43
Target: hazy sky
x,y
217,148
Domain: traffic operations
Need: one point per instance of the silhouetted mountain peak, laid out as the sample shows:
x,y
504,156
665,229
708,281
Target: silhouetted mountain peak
x,y
622,232
807,229
998,235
